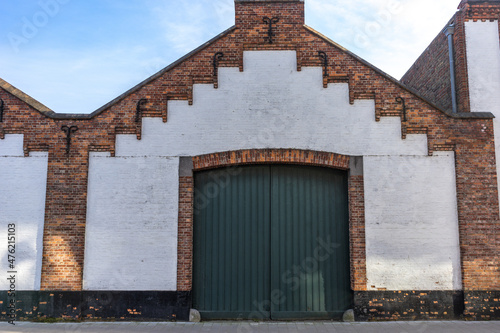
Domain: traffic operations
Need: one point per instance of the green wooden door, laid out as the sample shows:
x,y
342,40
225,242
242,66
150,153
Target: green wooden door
x,y
231,241
271,242
309,248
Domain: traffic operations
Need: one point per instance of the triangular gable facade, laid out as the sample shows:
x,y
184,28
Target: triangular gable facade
x,y
114,194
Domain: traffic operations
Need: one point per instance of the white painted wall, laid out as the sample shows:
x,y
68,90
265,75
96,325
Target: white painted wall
x,y
271,105
483,65
132,213
23,184
12,145
411,216
412,238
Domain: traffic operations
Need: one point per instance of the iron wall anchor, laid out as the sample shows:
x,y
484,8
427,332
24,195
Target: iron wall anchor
x,y
217,57
138,111
1,110
401,100
69,130
270,32
324,59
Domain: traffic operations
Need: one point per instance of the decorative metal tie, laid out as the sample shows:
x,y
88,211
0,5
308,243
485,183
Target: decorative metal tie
x,y
324,59
401,100
270,31
1,110
69,130
138,112
217,57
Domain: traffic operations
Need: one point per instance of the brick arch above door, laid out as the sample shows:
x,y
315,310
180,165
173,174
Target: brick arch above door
x,y
273,156
270,156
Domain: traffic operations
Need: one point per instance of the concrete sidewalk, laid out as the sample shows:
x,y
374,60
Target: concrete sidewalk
x,y
271,327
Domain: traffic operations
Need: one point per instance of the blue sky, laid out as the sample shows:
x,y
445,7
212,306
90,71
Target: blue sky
x,y
76,55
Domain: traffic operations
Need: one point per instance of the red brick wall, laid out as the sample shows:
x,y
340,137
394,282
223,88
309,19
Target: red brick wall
x,y
430,74
359,280
259,156
472,140
479,235
66,197
480,240
461,76
249,15
185,241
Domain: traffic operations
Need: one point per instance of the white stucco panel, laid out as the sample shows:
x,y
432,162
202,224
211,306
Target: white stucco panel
x,y
23,184
131,234
483,66
412,238
12,145
271,105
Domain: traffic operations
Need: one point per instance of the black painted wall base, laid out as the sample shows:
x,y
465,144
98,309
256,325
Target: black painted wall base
x,y
116,305
426,305
482,305
408,305
175,305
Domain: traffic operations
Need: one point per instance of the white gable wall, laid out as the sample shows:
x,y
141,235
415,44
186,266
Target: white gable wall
x,y
271,105
23,184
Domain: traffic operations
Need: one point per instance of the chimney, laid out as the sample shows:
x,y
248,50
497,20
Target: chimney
x,y
466,3
251,13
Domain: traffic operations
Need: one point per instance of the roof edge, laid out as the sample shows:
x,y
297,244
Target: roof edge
x,y
25,98
83,116
78,116
463,115
157,75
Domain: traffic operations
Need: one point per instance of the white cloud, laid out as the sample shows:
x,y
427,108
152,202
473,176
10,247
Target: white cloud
x,y
391,34
187,25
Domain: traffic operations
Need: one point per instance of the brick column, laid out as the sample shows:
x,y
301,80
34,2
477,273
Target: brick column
x,y
65,216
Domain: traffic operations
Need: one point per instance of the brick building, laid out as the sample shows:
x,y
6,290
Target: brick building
x,y
268,174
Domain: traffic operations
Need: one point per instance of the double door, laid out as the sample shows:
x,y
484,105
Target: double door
x,y
271,242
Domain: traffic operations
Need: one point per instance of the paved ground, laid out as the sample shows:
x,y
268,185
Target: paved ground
x,y
244,327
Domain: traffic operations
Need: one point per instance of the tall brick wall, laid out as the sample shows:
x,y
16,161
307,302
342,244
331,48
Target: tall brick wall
x,y
461,77
430,74
429,67
185,242
357,233
470,137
